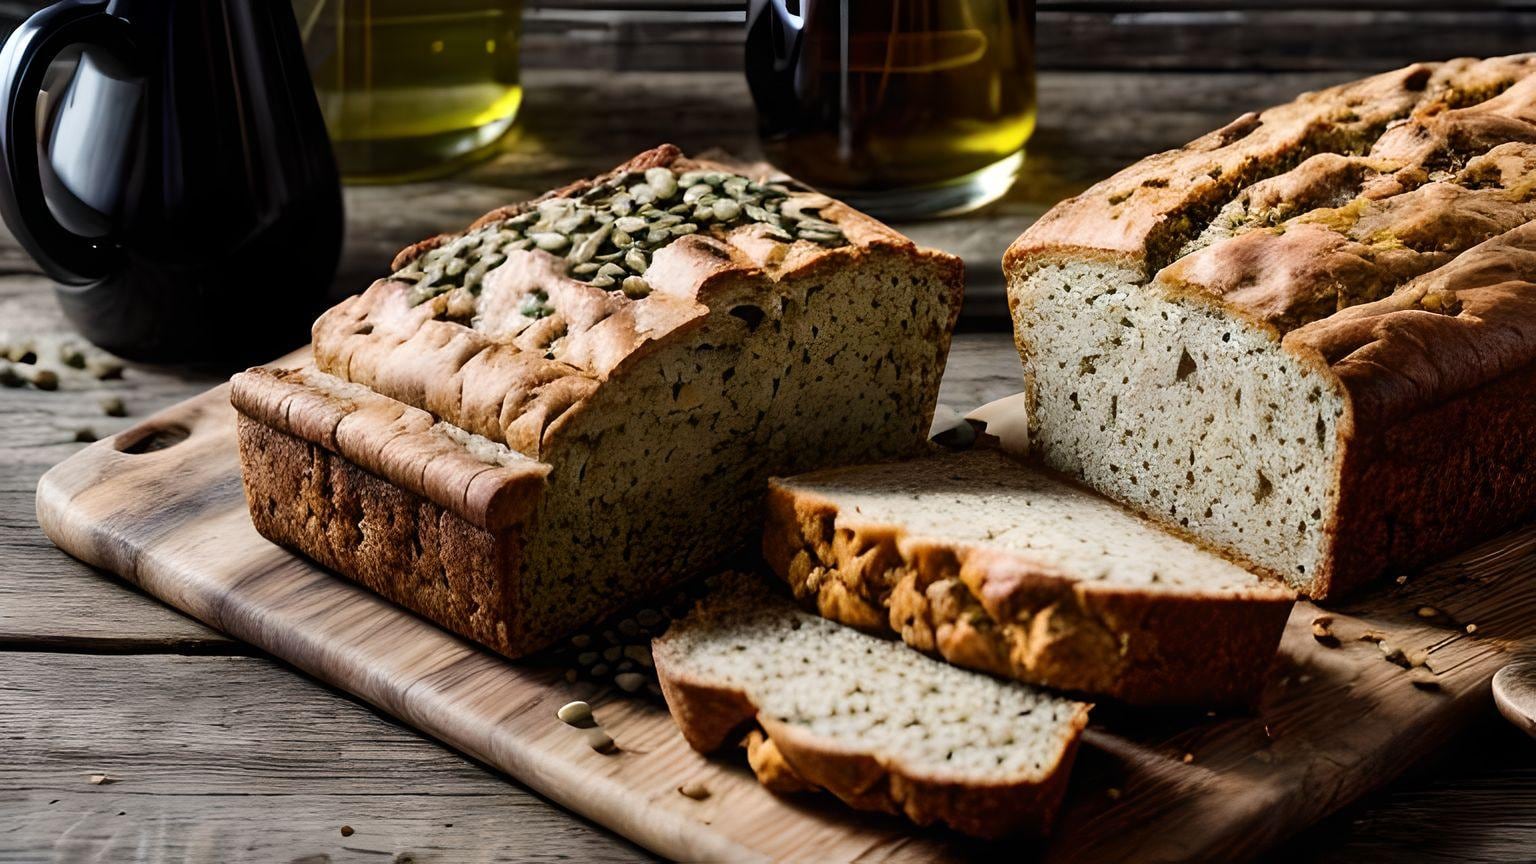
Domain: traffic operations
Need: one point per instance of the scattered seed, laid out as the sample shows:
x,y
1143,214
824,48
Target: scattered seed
x,y
1113,793
8,375
1188,758
1428,612
629,682
112,406
1471,628
85,435
694,789
1425,681
600,740
44,379
100,779
575,713
346,831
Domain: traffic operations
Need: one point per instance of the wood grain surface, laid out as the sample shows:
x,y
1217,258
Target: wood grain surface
x,y
1340,714
201,760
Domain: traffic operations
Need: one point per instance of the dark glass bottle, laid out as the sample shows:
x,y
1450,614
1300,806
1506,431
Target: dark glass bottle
x,y
903,108
177,181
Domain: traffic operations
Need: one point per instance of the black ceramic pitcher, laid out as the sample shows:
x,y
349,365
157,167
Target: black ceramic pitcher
x,y
177,182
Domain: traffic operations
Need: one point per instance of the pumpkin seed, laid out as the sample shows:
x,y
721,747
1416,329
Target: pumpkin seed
x,y
601,281
725,210
635,260
630,224
636,287
576,713
582,252
535,304
696,192
586,269
663,181
611,269
550,241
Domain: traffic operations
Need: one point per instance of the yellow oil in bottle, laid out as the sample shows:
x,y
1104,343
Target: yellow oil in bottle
x,y
413,88
889,103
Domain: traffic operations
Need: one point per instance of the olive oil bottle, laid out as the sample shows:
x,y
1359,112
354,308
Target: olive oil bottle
x,y
903,107
413,88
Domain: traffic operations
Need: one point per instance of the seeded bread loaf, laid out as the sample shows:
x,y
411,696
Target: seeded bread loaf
x,y
578,401
1307,339
879,726
1001,567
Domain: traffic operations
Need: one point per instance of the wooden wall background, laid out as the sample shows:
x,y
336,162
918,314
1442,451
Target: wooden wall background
x,y
1081,35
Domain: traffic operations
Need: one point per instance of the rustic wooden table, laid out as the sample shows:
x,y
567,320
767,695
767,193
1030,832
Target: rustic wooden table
x,y
214,753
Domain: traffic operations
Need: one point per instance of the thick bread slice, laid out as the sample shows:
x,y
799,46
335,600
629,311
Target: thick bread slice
x,y
1309,338
645,421
874,723
1000,567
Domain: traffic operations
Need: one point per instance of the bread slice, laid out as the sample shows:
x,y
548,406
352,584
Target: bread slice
x,y
646,414
874,723
1001,567
1307,338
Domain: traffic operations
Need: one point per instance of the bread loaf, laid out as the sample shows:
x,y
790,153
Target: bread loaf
x,y
880,726
1000,567
1307,339
577,401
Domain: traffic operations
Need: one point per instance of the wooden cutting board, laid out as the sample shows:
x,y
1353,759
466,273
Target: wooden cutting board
x,y
161,505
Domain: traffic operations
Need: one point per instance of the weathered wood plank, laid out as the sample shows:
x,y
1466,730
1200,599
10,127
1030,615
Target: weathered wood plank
x,y
46,597
239,759
1474,801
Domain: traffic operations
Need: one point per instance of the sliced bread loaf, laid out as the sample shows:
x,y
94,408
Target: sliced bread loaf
x,y
645,411
1307,338
879,726
1001,567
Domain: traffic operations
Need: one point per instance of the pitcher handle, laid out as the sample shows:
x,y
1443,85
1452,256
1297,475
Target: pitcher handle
x,y
65,256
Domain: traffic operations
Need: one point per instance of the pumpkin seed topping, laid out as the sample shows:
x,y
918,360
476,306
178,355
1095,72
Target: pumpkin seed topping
x,y
609,233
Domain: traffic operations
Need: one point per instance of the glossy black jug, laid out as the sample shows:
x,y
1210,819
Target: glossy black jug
x,y
178,184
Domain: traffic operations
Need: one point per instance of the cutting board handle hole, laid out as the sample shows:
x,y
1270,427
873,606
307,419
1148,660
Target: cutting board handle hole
x,y
136,441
